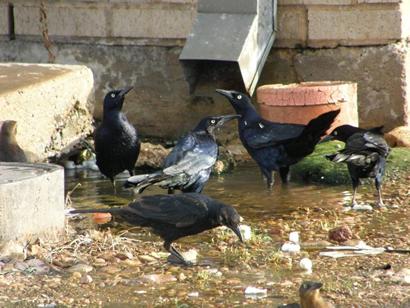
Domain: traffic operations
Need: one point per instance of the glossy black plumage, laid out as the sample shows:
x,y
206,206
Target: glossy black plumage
x,y
116,140
10,151
175,216
189,164
365,154
276,146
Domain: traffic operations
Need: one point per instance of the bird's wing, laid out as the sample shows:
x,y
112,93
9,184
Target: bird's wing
x,y
184,144
264,133
366,142
199,155
180,210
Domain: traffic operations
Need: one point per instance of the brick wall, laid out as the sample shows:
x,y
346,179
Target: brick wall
x,y
331,23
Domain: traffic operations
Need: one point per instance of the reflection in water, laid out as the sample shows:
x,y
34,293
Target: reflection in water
x,y
243,188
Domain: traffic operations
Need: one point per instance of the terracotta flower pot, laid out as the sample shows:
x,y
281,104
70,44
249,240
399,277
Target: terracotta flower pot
x,y
300,102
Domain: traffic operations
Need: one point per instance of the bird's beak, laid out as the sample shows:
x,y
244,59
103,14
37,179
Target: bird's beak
x,y
237,232
227,118
225,93
316,285
125,91
326,139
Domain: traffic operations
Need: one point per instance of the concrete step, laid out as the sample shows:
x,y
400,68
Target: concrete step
x,y
51,104
31,201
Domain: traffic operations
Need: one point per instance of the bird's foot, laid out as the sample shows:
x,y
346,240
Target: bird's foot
x,y
380,204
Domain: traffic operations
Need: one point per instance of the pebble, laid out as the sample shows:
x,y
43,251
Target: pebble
x,y
159,278
80,267
86,279
76,275
111,269
193,294
99,262
181,277
133,262
147,258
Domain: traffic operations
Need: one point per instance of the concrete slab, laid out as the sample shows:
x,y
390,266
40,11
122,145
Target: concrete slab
x,y
51,104
31,201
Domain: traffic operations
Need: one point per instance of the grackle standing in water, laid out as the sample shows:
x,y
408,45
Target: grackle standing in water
x,y
365,154
188,166
276,146
10,151
175,216
116,141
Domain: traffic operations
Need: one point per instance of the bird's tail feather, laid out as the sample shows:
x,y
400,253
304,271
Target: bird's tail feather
x,y
140,182
318,126
312,133
113,210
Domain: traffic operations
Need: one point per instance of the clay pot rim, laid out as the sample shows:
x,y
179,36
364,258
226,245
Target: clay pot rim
x,y
307,84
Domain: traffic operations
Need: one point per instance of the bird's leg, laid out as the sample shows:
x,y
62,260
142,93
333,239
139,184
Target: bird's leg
x,y
284,174
171,191
168,246
355,183
379,193
131,172
113,185
268,176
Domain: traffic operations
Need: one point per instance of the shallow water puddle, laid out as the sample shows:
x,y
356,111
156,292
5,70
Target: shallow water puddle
x,y
114,265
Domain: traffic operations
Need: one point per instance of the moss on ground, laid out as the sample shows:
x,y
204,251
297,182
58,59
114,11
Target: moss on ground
x,y
316,168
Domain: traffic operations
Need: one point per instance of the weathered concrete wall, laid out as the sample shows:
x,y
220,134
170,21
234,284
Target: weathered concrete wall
x,y
51,104
137,42
31,201
159,105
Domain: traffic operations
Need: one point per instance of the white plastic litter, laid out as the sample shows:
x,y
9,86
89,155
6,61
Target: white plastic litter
x,y
307,265
246,232
255,292
294,237
351,251
193,294
359,207
293,244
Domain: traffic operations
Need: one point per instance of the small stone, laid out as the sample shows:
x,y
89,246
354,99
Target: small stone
x,y
21,266
233,282
181,277
86,279
159,278
80,267
133,262
340,234
76,275
147,258
124,256
111,269
193,294
99,262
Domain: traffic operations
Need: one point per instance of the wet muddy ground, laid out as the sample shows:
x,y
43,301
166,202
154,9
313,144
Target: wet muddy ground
x,y
113,266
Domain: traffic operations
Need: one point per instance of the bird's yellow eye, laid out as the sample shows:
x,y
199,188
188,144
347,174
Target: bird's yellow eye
x,y
213,121
239,96
112,95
